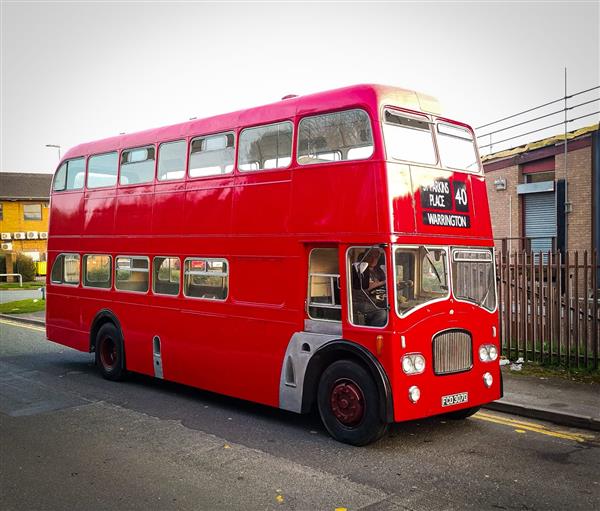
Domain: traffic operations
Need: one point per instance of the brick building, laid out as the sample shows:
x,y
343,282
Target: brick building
x,y
24,201
535,204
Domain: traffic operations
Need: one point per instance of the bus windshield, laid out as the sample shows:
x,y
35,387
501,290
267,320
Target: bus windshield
x,y
473,276
421,275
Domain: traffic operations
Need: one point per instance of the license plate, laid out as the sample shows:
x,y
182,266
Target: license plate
x,y
455,399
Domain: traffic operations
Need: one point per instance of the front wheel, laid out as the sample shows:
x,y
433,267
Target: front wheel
x,y
349,405
110,354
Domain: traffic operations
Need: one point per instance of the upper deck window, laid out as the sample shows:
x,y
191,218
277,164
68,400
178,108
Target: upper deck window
x,y
408,138
137,165
212,155
457,149
102,170
70,175
266,147
171,160
335,137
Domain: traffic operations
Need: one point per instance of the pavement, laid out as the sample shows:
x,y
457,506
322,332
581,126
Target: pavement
x,y
557,400
12,295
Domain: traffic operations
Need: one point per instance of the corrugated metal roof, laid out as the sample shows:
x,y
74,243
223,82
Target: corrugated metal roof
x,y
539,143
25,185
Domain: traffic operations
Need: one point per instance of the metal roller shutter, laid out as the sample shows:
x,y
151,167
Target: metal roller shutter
x,y
540,220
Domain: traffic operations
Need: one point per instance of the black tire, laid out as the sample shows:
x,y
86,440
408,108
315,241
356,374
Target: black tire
x,y
349,404
460,415
110,354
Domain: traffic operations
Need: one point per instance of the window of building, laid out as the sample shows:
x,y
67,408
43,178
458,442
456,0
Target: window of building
x,y
368,286
132,274
324,285
171,160
408,138
32,211
137,165
102,170
212,155
70,175
96,271
65,269
165,276
206,278
335,137
266,147
539,177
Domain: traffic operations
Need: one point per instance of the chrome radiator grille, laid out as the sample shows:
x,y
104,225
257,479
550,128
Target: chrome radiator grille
x,y
452,352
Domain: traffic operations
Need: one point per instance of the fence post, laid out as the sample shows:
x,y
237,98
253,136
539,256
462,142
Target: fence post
x,y
558,298
576,311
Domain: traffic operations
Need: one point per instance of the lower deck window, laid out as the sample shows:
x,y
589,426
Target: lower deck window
x,y
206,278
65,269
165,275
368,292
96,271
324,285
131,274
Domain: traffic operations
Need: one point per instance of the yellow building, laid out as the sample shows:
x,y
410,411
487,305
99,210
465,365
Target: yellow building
x,y
24,208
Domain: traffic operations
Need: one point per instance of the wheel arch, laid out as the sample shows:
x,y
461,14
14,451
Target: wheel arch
x,y
342,349
102,317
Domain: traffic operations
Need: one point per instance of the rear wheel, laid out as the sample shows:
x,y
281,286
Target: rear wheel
x,y
110,355
349,404
465,413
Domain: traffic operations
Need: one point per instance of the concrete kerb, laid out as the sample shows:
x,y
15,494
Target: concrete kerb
x,y
546,414
17,319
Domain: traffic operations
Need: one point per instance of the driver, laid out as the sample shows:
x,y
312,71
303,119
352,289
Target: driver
x,y
368,284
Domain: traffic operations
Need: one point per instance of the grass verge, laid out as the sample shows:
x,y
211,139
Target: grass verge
x,y
7,286
548,371
23,306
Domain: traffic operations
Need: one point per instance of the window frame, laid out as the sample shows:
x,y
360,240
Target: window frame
x,y
201,258
467,248
179,281
87,171
39,204
441,121
309,304
416,116
84,272
237,152
447,249
66,162
330,112
64,282
136,270
152,145
349,287
213,176
187,143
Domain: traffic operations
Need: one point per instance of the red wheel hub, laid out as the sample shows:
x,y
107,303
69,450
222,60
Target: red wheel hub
x,y
347,402
108,353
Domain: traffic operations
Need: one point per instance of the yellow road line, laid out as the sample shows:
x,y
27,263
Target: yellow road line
x,y
22,325
535,428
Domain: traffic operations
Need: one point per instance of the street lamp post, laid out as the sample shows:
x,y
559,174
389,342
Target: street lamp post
x,y
56,146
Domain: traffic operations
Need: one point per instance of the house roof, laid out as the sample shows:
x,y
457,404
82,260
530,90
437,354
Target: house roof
x,y
538,144
25,186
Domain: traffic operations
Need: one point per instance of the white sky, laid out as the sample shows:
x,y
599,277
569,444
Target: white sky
x,y
79,71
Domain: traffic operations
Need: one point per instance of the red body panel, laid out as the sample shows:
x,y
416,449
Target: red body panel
x,y
264,223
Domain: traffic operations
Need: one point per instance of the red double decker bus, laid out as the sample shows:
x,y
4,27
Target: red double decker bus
x,y
331,251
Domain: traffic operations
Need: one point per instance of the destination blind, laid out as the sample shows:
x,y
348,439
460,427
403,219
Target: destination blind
x,y
443,196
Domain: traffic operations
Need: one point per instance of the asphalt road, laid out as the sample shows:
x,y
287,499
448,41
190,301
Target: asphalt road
x,y
71,440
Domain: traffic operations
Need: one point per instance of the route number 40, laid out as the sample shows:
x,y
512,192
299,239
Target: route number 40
x,y
461,196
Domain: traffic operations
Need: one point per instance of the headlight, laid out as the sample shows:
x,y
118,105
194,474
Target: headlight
x,y
413,363
488,352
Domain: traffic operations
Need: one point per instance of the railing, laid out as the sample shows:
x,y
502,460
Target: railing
x,y
13,275
548,304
